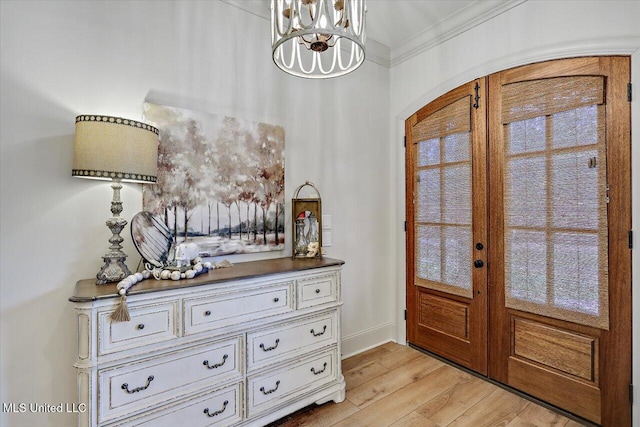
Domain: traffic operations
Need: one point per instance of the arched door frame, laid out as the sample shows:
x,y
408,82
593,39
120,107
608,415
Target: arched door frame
x,y
613,46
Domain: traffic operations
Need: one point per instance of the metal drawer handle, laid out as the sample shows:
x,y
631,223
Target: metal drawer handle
x,y
207,313
270,391
270,348
213,414
324,368
317,291
141,326
319,333
125,386
276,299
217,365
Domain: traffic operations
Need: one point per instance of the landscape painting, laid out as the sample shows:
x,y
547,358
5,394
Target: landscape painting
x,y
220,181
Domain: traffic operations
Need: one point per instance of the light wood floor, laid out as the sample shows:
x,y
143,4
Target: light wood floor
x,y
395,385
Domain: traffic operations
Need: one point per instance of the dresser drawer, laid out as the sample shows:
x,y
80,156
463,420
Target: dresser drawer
x,y
273,388
207,313
270,345
317,290
132,387
219,408
149,324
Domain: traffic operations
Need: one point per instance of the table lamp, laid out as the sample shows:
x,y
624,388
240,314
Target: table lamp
x,y
118,150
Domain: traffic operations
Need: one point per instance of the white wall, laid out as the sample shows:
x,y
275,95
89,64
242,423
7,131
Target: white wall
x,y
533,31
64,58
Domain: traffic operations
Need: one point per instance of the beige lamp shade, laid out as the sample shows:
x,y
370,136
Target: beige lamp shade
x,y
115,148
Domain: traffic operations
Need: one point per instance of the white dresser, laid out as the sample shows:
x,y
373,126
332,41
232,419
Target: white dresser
x,y
245,345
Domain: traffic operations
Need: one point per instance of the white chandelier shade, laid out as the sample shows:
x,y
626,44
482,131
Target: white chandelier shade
x,y
318,39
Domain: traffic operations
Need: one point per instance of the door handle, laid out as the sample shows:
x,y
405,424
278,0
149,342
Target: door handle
x,y
478,263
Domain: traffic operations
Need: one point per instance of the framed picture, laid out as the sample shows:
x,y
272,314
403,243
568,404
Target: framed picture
x,y
220,181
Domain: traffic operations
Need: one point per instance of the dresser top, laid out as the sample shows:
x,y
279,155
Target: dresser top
x,y
86,290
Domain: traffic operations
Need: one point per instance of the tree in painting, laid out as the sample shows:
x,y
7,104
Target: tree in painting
x,y
220,181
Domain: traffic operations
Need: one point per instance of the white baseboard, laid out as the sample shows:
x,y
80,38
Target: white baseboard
x,y
367,339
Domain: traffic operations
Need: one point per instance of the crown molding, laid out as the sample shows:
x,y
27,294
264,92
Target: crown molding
x,y
463,20
261,9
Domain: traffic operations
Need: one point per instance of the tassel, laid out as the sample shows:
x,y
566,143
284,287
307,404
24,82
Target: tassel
x,y
121,314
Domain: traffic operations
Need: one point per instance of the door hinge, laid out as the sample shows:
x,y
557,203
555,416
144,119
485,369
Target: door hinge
x,y
405,315
630,389
405,226
630,239
476,98
405,141
629,92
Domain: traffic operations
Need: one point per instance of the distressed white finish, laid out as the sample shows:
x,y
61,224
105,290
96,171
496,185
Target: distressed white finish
x,y
185,351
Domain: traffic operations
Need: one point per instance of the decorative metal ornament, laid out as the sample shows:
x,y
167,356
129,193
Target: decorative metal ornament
x,y
307,224
318,39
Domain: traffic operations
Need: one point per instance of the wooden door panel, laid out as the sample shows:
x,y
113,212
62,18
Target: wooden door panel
x,y
446,232
444,323
554,348
557,362
564,392
445,316
583,369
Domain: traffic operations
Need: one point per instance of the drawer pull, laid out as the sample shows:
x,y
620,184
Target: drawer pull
x,y
213,414
207,313
319,333
265,392
276,299
317,291
217,365
270,348
140,326
324,368
125,386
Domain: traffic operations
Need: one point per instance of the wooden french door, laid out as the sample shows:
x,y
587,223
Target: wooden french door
x,y
446,216
560,264
554,160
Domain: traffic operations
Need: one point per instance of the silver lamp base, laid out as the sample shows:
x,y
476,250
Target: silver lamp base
x,y
114,268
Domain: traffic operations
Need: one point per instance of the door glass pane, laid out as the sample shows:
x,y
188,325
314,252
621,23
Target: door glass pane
x,y
456,203
574,191
526,136
575,127
456,262
457,148
443,246
526,191
575,272
429,250
429,152
525,265
428,196
555,226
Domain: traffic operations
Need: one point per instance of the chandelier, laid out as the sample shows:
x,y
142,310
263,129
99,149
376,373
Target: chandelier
x,y
318,39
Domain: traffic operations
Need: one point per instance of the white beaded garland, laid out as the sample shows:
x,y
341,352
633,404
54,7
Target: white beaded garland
x,y
175,275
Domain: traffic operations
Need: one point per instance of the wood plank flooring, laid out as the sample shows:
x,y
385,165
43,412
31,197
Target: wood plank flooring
x,y
395,385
